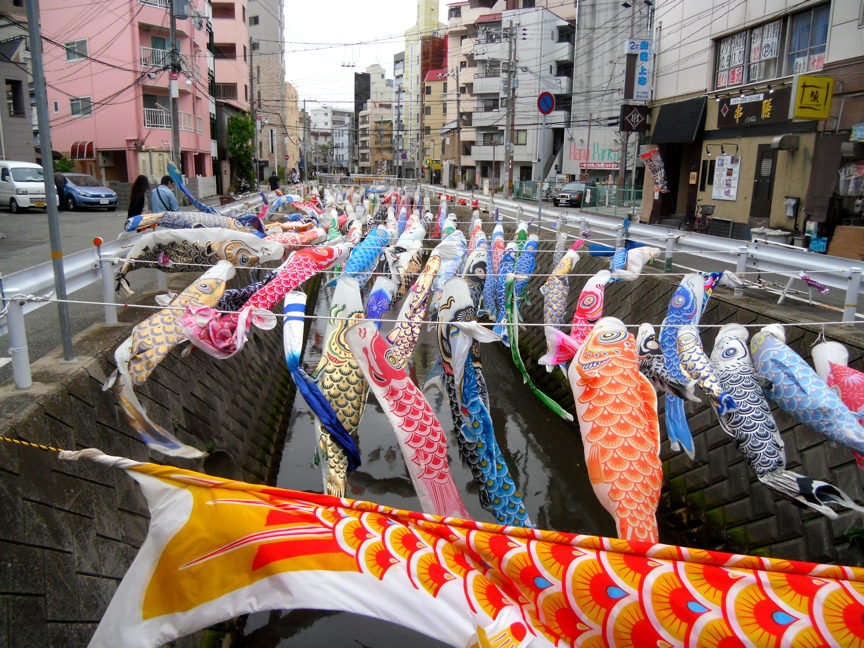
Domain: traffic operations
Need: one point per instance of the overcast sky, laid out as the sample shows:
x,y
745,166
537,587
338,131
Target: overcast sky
x,y
318,73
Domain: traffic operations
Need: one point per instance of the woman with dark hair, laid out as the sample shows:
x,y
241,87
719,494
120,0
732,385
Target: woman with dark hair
x,y
140,189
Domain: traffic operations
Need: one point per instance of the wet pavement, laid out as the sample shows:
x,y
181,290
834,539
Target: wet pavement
x,y
544,453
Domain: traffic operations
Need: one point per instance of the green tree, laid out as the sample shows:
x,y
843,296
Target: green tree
x,y
241,134
64,165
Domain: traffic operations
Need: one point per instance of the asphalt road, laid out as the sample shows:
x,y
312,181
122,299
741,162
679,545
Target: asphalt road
x,y
26,244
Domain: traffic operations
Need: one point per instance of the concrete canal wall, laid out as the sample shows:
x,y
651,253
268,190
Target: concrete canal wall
x,y
68,530
715,501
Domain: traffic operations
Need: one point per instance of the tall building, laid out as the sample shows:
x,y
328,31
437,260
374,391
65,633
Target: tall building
x,y
293,131
17,138
756,112
427,25
477,65
108,87
399,112
434,115
595,148
330,138
231,87
361,96
266,30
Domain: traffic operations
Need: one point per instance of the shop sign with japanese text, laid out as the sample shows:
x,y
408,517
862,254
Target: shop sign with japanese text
x,y
641,48
753,110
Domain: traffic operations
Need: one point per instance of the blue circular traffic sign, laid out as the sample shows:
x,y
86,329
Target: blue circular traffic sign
x,y
546,103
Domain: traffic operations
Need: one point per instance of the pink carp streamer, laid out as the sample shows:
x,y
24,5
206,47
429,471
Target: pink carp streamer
x,y
224,334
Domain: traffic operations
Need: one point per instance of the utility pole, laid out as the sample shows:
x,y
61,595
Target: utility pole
x,y
305,144
176,153
626,143
458,130
48,172
510,130
254,110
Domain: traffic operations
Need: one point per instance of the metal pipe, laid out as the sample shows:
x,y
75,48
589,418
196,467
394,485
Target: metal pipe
x,y
669,253
107,268
18,346
854,287
740,268
38,67
619,236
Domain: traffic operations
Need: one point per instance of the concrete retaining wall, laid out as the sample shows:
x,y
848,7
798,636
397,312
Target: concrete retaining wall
x,y
715,501
70,530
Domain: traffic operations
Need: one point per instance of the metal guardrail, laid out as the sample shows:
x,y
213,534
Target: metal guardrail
x,y
835,272
28,290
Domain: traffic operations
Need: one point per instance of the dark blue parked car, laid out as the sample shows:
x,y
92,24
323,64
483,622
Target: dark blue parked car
x,y
83,190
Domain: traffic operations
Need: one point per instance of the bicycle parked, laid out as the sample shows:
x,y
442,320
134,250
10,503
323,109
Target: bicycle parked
x,y
700,221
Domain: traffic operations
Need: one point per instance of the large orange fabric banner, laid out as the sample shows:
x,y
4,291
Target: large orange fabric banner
x,y
217,549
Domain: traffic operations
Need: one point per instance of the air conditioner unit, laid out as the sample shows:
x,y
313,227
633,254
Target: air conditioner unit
x,y
105,159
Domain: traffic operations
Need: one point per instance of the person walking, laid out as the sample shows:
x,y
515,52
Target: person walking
x,y
60,183
138,196
162,197
274,181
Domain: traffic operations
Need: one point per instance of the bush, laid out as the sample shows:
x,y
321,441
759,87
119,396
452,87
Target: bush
x,y
64,165
241,136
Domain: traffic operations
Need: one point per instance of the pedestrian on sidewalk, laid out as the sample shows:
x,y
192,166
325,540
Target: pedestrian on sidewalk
x,y
138,196
162,198
60,183
274,181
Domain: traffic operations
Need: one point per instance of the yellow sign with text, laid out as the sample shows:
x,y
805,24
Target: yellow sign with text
x,y
812,98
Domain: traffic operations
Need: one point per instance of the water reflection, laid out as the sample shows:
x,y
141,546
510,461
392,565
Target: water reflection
x,y
544,453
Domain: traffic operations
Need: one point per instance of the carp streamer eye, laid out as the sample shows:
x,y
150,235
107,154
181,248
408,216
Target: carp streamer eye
x,y
588,301
729,353
610,337
679,300
205,288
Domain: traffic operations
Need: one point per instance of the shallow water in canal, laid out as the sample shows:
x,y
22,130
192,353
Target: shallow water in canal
x,y
544,453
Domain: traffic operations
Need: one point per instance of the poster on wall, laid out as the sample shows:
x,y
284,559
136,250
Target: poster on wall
x,y
726,177
654,163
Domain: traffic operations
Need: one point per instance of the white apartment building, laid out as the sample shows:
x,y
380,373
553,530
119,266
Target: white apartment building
x,y
477,54
399,113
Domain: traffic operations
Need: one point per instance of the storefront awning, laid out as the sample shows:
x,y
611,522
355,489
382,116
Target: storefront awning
x,y
82,151
680,122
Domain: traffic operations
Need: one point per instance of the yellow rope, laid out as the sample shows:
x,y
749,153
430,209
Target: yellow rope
x,y
39,446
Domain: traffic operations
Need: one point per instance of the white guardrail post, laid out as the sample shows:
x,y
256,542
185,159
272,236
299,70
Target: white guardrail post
x,y
852,290
106,267
619,236
18,350
740,269
669,253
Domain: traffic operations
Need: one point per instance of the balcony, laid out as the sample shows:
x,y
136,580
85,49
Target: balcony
x,y
162,4
151,57
490,118
225,91
488,84
490,50
161,118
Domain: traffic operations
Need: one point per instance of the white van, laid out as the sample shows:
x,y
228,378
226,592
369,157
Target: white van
x,y
22,185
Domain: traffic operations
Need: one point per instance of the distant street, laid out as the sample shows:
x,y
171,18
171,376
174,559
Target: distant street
x,y
26,244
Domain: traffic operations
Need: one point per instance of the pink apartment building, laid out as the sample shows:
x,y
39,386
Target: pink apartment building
x,y
108,86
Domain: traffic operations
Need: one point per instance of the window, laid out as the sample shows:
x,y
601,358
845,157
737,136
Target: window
x,y
244,14
81,106
428,90
764,52
454,12
224,51
76,50
427,110
491,138
253,20
256,45
15,98
521,137
527,4
427,130
159,43
258,76
246,92
490,104
245,53
56,106
808,32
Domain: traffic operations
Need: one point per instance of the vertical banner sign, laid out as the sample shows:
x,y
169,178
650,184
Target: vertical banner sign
x,y
726,177
641,78
654,163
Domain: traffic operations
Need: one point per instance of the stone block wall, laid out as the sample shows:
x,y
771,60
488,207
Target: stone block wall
x,y
70,530
715,501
